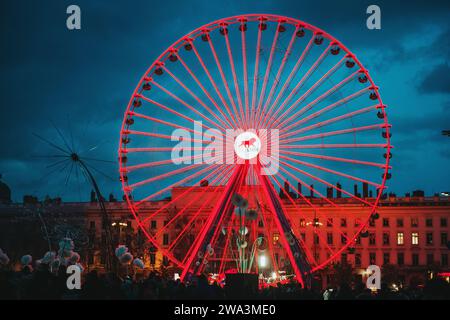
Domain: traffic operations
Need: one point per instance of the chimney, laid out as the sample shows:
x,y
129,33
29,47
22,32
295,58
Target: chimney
x,y
355,189
370,194
312,191
365,189
329,192
338,192
286,187
299,188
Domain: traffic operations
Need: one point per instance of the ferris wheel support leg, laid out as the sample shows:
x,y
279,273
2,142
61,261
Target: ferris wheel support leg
x,y
299,262
222,208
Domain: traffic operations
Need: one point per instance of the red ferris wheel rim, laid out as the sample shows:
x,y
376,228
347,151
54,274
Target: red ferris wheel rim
x,y
191,37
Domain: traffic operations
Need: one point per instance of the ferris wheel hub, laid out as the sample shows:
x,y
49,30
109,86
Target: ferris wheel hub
x,y
247,145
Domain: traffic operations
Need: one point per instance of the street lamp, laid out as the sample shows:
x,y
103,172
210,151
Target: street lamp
x,y
262,261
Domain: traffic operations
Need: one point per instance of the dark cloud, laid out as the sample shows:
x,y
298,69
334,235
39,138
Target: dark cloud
x,y
85,77
437,80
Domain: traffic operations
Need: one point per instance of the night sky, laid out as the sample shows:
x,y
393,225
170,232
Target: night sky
x,y
81,81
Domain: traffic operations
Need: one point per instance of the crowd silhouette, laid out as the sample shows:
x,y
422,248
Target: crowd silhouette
x,y
41,284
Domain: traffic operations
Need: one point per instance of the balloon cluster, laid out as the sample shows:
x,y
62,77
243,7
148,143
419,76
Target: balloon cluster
x,y
26,261
125,257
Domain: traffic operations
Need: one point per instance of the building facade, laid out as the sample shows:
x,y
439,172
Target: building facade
x,y
409,238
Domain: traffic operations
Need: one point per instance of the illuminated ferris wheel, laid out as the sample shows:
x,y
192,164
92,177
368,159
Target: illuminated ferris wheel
x,y
251,124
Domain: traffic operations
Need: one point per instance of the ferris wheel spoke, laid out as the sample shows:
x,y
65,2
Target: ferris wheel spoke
x,y
304,163
232,116
336,146
311,258
190,202
266,75
170,124
334,133
269,240
327,108
338,159
330,91
227,241
326,183
302,243
235,80
243,27
255,78
329,121
192,176
158,149
159,163
192,74
185,193
313,88
196,98
293,72
174,243
158,135
302,81
276,81
222,206
164,107
314,191
225,82
186,104
164,175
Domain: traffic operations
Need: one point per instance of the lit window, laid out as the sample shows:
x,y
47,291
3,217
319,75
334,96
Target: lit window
x,y
302,223
415,238
400,238
275,237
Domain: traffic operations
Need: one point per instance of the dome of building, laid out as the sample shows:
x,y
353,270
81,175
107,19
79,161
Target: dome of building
x,y
5,192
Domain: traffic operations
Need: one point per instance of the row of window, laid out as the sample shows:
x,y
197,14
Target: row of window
x,y
385,222
400,259
372,238
343,222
